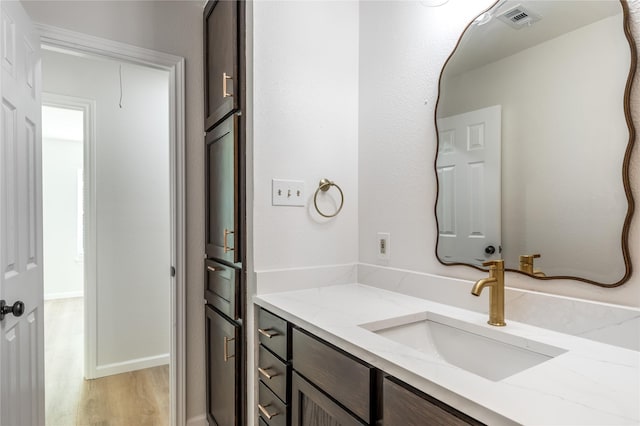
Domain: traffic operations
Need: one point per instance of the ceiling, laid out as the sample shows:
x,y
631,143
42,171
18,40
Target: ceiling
x,y
494,40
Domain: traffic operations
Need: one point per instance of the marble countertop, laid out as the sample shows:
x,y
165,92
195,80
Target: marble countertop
x,y
591,383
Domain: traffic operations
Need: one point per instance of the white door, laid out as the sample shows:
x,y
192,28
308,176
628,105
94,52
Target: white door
x,y
21,337
469,197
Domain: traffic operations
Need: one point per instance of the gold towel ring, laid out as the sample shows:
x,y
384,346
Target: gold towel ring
x,y
324,186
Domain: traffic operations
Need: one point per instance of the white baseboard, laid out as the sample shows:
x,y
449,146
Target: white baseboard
x,y
197,421
65,295
131,365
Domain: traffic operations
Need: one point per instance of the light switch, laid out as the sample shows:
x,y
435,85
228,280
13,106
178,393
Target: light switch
x,y
286,192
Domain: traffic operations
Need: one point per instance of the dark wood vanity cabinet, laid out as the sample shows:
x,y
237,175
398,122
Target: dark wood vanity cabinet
x,y
273,369
225,218
303,380
306,381
341,377
407,406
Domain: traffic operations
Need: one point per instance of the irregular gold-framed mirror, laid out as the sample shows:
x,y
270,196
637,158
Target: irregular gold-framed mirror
x,y
534,141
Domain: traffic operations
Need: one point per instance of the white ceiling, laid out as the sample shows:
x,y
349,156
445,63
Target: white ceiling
x,y
484,44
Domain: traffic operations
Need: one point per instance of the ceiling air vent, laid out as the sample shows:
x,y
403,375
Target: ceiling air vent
x,y
518,17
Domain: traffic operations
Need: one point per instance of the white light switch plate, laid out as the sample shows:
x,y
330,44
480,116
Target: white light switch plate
x,y
287,192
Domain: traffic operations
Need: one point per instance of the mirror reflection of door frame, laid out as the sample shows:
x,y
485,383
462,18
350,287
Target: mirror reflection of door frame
x,y
84,44
88,108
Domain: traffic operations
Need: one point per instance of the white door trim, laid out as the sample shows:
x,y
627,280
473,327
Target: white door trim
x,y
88,108
84,44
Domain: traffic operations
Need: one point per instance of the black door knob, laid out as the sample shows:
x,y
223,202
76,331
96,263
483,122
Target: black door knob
x,y
17,309
489,249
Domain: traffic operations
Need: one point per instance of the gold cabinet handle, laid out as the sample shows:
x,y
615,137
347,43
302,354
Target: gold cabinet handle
x,y
268,333
225,77
211,269
263,409
226,245
226,348
266,374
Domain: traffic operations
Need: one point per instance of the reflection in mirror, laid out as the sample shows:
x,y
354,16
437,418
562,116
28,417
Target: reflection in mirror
x,y
534,138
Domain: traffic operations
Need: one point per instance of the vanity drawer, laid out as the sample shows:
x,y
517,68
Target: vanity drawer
x,y
222,288
273,373
271,409
343,377
273,333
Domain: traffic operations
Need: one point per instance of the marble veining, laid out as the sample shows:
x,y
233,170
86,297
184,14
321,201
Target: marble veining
x,y
591,384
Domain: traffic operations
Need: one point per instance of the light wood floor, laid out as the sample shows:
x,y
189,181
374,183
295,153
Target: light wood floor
x,y
138,398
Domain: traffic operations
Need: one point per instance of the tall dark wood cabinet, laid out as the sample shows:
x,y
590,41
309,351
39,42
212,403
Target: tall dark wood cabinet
x,y
225,218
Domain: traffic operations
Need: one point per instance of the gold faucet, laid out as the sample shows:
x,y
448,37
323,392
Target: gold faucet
x,y
495,282
526,265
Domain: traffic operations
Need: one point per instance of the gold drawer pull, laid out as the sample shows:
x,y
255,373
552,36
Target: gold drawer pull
x,y
212,269
268,333
226,245
264,411
226,348
266,374
225,77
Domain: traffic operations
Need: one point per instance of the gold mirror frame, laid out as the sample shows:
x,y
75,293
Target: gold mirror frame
x,y
625,164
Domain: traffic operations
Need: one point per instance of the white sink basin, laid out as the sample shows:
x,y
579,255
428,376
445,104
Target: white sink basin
x,y
486,352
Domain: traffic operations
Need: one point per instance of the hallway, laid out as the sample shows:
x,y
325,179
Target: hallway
x,y
139,397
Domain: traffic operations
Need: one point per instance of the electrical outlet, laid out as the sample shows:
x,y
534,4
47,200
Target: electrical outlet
x,y
384,245
287,192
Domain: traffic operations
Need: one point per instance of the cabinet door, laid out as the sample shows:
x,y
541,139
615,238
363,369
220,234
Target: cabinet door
x,y
222,208
311,407
224,366
404,405
221,91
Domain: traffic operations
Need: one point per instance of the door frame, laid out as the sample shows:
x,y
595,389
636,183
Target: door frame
x,y
84,44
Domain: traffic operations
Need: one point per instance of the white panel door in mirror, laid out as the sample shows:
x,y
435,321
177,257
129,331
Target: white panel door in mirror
x,y
469,197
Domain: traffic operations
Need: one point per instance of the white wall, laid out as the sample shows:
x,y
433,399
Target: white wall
x,y
305,100
63,270
132,193
173,27
411,42
552,135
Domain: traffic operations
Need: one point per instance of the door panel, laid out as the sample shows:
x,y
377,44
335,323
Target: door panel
x,y
223,239
21,337
223,369
469,197
221,60
311,407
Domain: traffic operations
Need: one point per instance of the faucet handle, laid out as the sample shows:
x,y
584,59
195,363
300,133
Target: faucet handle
x,y
496,263
529,257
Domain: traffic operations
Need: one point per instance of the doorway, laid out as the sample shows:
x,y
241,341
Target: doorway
x,y
63,245
126,247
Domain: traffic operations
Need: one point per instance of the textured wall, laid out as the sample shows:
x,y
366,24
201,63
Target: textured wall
x,y
305,124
